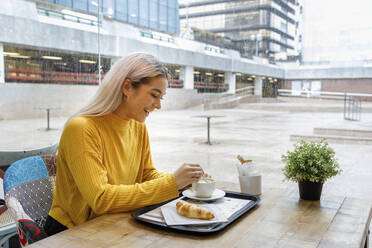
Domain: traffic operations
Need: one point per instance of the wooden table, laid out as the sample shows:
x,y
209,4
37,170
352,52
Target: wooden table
x,y
281,220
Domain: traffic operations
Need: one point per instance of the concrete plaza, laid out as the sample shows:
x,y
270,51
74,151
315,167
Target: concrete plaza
x,y
260,132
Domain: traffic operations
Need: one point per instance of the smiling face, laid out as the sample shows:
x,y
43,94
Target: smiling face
x,y
140,101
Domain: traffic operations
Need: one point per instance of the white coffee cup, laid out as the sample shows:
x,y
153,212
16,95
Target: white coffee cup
x,y
204,188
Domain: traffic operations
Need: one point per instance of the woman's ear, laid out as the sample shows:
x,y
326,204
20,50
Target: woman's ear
x,y
126,86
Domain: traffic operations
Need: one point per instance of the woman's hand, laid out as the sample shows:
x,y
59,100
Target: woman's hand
x,y
187,174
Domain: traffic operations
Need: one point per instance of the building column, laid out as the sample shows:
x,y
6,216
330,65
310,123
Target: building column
x,y
2,66
187,76
258,86
230,80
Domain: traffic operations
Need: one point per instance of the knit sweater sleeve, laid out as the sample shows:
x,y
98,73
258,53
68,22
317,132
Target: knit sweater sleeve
x,y
83,152
149,172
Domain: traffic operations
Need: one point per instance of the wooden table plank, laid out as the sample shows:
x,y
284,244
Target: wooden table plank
x,y
350,225
281,220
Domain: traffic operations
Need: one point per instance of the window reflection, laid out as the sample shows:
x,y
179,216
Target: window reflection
x,y
43,66
209,81
157,14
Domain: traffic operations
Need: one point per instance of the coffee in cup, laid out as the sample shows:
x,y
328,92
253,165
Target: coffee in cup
x,y
204,188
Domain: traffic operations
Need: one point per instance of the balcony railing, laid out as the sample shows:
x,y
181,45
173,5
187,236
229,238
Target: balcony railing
x,y
24,75
35,76
66,17
210,86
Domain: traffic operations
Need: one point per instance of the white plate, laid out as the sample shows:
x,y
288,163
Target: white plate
x,y
217,194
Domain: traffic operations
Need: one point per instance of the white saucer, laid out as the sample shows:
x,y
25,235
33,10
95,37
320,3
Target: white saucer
x,y
217,194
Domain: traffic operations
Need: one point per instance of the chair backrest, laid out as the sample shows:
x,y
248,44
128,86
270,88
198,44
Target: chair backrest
x,y
24,170
28,187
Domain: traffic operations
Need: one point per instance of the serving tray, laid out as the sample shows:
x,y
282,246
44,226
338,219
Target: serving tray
x,y
212,228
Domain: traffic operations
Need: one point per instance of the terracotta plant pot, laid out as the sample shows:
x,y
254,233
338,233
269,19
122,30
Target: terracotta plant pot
x,y
310,191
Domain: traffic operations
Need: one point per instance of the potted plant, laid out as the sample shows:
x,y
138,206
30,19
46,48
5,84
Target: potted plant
x,y
310,164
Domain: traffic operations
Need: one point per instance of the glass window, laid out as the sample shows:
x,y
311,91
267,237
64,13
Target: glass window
x,y
154,19
33,65
296,87
172,4
133,11
144,13
65,2
172,22
80,4
92,6
172,29
108,8
163,17
177,20
121,10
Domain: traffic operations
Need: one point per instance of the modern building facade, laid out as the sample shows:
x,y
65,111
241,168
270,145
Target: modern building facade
x,y
265,28
159,15
58,66
50,55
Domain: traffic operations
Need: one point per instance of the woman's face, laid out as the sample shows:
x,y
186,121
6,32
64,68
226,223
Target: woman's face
x,y
141,101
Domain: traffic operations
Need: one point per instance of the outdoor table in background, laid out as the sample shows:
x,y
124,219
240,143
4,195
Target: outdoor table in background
x,y
208,117
281,220
47,110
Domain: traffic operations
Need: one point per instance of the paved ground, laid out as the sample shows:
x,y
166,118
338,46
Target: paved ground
x,y
261,135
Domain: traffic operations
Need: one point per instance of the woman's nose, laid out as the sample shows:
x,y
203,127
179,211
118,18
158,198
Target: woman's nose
x,y
157,104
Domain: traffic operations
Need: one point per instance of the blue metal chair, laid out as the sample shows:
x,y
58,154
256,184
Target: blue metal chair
x,y
28,190
24,170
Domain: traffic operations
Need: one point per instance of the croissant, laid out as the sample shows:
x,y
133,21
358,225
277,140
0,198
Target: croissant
x,y
193,211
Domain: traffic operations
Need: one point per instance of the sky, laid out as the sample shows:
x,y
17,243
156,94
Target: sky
x,y
337,30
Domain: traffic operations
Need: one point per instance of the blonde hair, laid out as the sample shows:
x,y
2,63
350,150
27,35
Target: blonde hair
x,y
138,67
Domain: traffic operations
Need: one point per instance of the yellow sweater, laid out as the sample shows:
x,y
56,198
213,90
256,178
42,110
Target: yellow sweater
x,y
104,166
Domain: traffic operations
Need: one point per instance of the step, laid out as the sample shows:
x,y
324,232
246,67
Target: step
x,y
332,139
343,132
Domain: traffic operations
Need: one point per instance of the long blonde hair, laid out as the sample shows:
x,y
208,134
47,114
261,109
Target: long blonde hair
x,y
138,67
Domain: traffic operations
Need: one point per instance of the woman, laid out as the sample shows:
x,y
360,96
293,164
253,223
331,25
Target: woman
x,y
104,160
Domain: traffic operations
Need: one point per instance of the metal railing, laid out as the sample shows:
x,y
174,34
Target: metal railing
x,y
352,101
66,17
156,36
210,87
320,94
249,90
37,76
352,108
25,75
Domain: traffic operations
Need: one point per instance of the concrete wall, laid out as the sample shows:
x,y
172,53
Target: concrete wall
x,y
22,100
359,85
350,85
181,99
118,39
314,73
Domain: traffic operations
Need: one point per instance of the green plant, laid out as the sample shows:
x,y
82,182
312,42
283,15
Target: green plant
x,y
310,161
